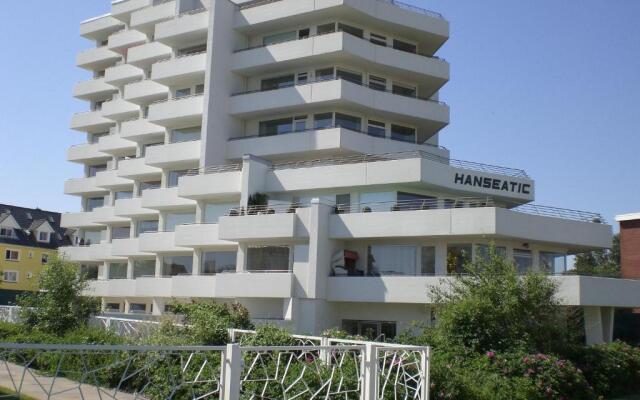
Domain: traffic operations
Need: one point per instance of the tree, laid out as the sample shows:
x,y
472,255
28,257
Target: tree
x,y
208,322
599,262
492,308
59,305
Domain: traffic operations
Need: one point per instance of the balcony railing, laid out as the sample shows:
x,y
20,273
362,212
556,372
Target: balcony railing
x,y
266,209
329,33
215,169
366,158
312,81
333,127
177,99
563,213
399,4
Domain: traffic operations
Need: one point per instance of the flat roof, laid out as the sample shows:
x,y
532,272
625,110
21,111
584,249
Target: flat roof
x,y
628,217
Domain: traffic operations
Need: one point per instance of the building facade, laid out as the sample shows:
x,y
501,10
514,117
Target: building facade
x,y
285,154
630,245
28,238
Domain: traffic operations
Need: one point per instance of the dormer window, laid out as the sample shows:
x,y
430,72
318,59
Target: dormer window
x,y
43,237
6,232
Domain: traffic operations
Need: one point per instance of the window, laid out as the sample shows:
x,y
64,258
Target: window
x,y
373,330
124,195
174,177
326,28
324,74
348,122
177,265
403,133
137,308
385,260
216,262
112,307
343,201
92,170
300,123
523,260
201,48
323,121
186,134
457,256
6,232
404,90
44,259
190,5
376,128
43,237
174,219
12,255
30,255
90,272
121,232
147,146
378,39
182,93
10,276
482,252
428,260
95,137
147,226
268,258
304,33
200,88
404,46
144,268
553,263
118,271
94,202
377,83
303,77
213,212
279,38
277,82
411,201
275,127
91,237
350,30
349,76
149,185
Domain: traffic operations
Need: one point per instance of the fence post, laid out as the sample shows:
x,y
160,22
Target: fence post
x,y
325,355
231,373
370,370
425,371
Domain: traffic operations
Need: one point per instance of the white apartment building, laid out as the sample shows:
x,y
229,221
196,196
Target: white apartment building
x,y
285,154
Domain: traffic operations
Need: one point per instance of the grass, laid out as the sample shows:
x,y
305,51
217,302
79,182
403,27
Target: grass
x,y
6,394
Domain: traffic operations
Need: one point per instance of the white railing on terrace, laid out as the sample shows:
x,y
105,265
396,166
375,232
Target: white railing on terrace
x,y
266,209
215,169
563,213
178,98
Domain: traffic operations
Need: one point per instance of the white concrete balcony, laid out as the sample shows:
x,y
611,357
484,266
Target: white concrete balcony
x,y
112,288
145,55
537,225
123,9
141,130
153,287
83,187
91,122
179,71
161,242
166,199
78,220
97,59
184,155
145,19
116,145
86,152
186,286
201,235
121,41
132,208
123,74
254,285
427,115
136,168
94,253
100,28
127,248
184,111
184,29
431,72
109,179
426,27
93,89
120,110
285,225
324,142
145,92
106,216
220,184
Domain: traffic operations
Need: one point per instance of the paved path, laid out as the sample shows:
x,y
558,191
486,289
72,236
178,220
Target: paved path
x,y
39,387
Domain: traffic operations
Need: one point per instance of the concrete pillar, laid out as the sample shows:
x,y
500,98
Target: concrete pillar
x,y
158,266
197,262
158,306
598,324
254,173
241,259
127,306
103,271
441,258
320,250
130,263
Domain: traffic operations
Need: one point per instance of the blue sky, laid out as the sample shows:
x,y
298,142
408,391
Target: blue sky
x,y
548,86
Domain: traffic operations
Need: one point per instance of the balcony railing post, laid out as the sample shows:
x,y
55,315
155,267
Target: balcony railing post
x,y
370,370
231,373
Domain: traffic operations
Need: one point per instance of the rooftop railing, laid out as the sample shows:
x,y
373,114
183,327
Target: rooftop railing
x,y
563,213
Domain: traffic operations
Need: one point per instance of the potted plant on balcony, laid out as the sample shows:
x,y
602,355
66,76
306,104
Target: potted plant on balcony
x,y
257,201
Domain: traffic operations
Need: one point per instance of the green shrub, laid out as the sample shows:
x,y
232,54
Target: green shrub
x,y
208,322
